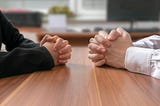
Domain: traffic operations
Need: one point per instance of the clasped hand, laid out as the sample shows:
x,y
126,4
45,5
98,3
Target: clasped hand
x,y
59,48
109,49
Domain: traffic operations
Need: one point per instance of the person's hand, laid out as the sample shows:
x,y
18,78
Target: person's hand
x,y
97,49
120,41
64,50
114,54
60,50
48,38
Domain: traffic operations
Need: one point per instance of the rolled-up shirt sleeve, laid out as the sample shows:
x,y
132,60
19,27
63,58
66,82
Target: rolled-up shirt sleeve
x,y
143,60
149,42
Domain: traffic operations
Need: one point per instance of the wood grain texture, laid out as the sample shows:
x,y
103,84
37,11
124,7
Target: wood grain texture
x,y
70,85
79,83
119,87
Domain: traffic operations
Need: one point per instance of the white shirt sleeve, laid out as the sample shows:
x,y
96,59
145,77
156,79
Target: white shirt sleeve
x,y
143,60
149,42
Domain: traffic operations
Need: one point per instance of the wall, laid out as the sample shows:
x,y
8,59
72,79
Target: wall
x,y
41,5
84,15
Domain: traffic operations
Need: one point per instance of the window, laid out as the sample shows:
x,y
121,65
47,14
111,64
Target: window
x,y
90,8
42,5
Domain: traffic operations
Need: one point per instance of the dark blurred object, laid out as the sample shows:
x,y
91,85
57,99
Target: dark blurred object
x,y
25,18
97,29
86,30
143,30
133,10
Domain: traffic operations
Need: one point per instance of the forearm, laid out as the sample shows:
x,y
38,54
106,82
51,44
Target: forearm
x,y
21,61
143,60
152,42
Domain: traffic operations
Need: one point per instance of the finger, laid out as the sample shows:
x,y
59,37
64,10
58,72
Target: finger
x,y
103,34
54,38
102,40
100,62
96,48
114,35
66,49
122,31
48,38
62,45
62,61
44,40
58,43
91,52
95,56
65,56
92,40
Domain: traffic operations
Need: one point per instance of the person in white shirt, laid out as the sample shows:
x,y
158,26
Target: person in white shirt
x,y
116,49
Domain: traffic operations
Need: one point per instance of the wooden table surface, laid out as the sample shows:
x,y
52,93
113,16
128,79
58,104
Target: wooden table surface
x,y
79,83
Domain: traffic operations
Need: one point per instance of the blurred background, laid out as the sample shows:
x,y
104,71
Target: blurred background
x,y
84,15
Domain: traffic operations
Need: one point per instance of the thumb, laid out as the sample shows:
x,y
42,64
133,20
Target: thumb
x,y
122,32
113,35
54,38
44,39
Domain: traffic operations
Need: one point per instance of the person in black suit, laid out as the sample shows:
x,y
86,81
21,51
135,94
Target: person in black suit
x,y
25,56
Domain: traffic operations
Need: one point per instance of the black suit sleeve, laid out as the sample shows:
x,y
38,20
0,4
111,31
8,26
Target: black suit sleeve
x,y
23,56
24,60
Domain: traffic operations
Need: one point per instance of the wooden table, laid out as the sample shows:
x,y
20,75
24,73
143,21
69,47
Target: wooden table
x,y
79,83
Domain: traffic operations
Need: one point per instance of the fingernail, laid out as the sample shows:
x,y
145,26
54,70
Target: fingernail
x,y
101,49
109,37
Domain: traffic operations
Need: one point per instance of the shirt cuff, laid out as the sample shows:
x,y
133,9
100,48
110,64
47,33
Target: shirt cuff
x,y
155,64
138,60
